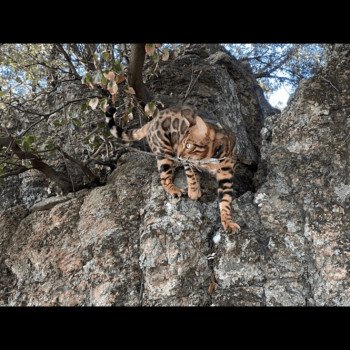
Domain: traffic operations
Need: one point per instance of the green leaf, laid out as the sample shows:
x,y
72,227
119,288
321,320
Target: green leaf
x,y
84,106
2,93
155,57
28,141
76,122
57,123
106,55
87,78
150,109
104,82
117,66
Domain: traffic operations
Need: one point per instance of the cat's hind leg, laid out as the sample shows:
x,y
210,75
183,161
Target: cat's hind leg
x,y
225,192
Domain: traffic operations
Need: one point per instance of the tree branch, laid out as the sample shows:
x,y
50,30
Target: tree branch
x,y
91,176
46,115
68,59
266,72
18,171
37,163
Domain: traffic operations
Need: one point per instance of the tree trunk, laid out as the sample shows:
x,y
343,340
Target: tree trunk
x,y
137,58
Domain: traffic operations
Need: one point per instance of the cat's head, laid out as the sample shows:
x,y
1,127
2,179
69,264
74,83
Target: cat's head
x,y
197,142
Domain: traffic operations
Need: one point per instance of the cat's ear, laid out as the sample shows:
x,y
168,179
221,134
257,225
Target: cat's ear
x,y
188,113
187,122
201,127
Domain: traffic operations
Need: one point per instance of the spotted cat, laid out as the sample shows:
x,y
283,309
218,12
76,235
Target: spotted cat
x,y
179,133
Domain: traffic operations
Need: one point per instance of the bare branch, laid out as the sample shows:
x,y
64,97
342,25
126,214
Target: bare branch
x,y
124,53
266,72
85,59
18,171
46,115
328,81
191,84
37,163
91,176
68,59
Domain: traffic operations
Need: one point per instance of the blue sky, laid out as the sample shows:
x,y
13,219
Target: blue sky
x,y
279,98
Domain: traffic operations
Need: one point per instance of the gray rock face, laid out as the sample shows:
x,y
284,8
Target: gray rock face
x,y
304,204
128,243
121,244
24,189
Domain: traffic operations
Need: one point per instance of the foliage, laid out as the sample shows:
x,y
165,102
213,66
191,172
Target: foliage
x,y
277,64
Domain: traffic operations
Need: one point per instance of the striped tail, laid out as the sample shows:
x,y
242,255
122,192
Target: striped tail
x,y
117,131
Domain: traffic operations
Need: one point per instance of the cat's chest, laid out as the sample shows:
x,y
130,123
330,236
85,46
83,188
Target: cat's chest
x,y
211,168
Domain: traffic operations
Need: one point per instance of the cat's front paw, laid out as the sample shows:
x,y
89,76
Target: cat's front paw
x,y
176,192
194,195
230,226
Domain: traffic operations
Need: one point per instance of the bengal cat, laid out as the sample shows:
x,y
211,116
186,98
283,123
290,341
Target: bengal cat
x,y
179,133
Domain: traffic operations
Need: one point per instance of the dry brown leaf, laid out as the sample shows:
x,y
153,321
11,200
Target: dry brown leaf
x,y
120,79
112,87
213,284
150,49
109,76
104,105
165,55
93,103
130,90
212,287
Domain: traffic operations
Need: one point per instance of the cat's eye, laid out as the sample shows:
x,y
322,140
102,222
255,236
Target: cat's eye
x,y
188,145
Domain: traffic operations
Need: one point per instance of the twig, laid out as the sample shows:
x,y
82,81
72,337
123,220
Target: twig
x,y
36,163
92,157
47,115
32,126
67,169
191,85
18,171
329,83
69,61
84,168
